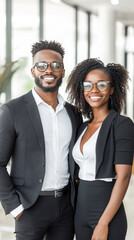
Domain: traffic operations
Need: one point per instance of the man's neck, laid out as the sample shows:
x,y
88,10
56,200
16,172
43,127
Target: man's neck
x,y
48,97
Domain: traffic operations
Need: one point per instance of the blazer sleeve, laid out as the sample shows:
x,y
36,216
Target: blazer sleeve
x,y
124,141
8,195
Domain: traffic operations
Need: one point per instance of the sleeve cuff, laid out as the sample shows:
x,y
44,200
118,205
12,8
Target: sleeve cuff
x,y
123,158
17,210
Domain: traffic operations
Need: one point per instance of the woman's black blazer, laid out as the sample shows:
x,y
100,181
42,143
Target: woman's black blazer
x,y
115,144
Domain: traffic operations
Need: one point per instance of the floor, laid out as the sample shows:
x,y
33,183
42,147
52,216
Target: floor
x,y
7,222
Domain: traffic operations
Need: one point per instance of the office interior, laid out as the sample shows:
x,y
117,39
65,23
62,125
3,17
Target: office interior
x,y
101,29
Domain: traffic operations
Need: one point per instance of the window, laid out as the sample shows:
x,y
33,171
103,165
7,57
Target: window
x,y
25,25
82,36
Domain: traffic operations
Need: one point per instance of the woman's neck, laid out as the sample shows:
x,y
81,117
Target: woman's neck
x,y
100,115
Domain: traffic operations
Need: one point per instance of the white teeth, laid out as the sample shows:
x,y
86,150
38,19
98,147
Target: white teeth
x,y
49,78
95,97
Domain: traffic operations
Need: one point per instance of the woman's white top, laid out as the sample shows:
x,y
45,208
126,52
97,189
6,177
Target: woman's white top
x,y
87,160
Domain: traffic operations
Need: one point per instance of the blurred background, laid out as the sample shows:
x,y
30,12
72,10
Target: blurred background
x,y
86,28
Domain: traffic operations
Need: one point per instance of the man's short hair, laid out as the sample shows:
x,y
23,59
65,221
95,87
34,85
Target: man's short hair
x,y
52,45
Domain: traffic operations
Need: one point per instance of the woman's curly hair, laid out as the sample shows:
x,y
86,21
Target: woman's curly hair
x,y
118,75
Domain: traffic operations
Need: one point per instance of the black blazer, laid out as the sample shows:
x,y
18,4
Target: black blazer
x,y
22,141
115,144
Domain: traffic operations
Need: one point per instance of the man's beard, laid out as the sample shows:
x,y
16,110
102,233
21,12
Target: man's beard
x,y
48,89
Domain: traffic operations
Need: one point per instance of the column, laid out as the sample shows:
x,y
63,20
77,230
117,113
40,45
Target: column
x,y
106,34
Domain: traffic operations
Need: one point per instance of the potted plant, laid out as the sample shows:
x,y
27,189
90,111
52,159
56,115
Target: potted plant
x,y
8,70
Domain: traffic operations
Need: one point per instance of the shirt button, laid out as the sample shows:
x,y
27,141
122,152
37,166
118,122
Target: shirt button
x,y
40,180
43,164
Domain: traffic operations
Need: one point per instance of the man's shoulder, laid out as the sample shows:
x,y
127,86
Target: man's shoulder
x,y
17,101
74,109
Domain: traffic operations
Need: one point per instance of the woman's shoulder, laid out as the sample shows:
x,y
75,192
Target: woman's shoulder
x,y
123,119
124,124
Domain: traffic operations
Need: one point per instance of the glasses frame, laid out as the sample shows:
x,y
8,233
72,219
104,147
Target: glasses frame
x,y
92,84
48,64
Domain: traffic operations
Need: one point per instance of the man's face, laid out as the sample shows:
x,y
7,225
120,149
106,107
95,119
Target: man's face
x,y
48,79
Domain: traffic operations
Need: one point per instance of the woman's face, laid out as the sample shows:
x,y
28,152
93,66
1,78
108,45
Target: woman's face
x,y
97,95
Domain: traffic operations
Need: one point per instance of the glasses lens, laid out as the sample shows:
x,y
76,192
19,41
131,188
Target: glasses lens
x,y
42,66
87,86
56,66
102,85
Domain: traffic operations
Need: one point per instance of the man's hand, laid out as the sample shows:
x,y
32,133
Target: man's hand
x,y
18,216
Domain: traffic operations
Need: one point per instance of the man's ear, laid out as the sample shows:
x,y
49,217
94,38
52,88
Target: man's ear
x,y
33,72
63,73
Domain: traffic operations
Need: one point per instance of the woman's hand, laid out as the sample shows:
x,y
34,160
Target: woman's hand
x,y
100,232
120,187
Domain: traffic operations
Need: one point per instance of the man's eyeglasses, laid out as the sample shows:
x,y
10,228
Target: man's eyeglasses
x,y
55,66
101,86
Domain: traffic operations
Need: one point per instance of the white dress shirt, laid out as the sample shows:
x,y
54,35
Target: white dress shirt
x,y
57,135
87,160
57,130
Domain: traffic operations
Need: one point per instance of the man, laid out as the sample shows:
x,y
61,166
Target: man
x,y
37,132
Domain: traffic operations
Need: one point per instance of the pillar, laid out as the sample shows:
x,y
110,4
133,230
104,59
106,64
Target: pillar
x,y
106,34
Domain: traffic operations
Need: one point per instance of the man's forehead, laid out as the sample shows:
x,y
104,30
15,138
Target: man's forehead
x,y
48,54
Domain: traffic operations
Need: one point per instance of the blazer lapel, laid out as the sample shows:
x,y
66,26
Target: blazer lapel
x,y
35,118
102,138
73,122
81,129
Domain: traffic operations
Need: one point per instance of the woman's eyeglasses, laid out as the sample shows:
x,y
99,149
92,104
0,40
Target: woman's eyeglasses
x,y
55,66
101,86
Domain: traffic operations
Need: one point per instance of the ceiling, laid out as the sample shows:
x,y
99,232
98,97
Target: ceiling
x,y
124,10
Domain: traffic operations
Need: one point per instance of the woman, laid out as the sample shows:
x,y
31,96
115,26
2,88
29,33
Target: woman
x,y
103,150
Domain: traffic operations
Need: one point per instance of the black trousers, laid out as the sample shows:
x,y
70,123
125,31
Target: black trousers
x,y
93,197
50,217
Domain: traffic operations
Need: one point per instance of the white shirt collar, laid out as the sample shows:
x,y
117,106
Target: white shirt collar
x,y
39,100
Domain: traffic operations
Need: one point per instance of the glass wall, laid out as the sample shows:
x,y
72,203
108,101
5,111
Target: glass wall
x,y
59,25
129,51
2,41
94,51
2,32
120,43
25,31
82,35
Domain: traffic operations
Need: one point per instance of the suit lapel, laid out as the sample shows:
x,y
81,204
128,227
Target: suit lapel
x,y
35,118
102,138
81,129
73,122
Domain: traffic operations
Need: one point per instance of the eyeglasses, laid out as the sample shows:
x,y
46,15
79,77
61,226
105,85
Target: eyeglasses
x,y
101,86
43,66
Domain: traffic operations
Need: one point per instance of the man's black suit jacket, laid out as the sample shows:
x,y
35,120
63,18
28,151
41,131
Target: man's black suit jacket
x,y
22,141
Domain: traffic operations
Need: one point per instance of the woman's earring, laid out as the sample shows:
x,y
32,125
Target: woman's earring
x,y
111,101
90,113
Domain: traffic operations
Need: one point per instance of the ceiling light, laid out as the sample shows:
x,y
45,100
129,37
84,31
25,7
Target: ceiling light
x,y
115,2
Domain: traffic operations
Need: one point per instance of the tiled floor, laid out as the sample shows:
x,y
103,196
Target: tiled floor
x,y
7,222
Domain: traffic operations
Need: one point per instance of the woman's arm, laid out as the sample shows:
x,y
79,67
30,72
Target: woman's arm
x,y
117,195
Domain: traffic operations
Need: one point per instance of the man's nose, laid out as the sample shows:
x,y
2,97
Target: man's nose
x,y
49,69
